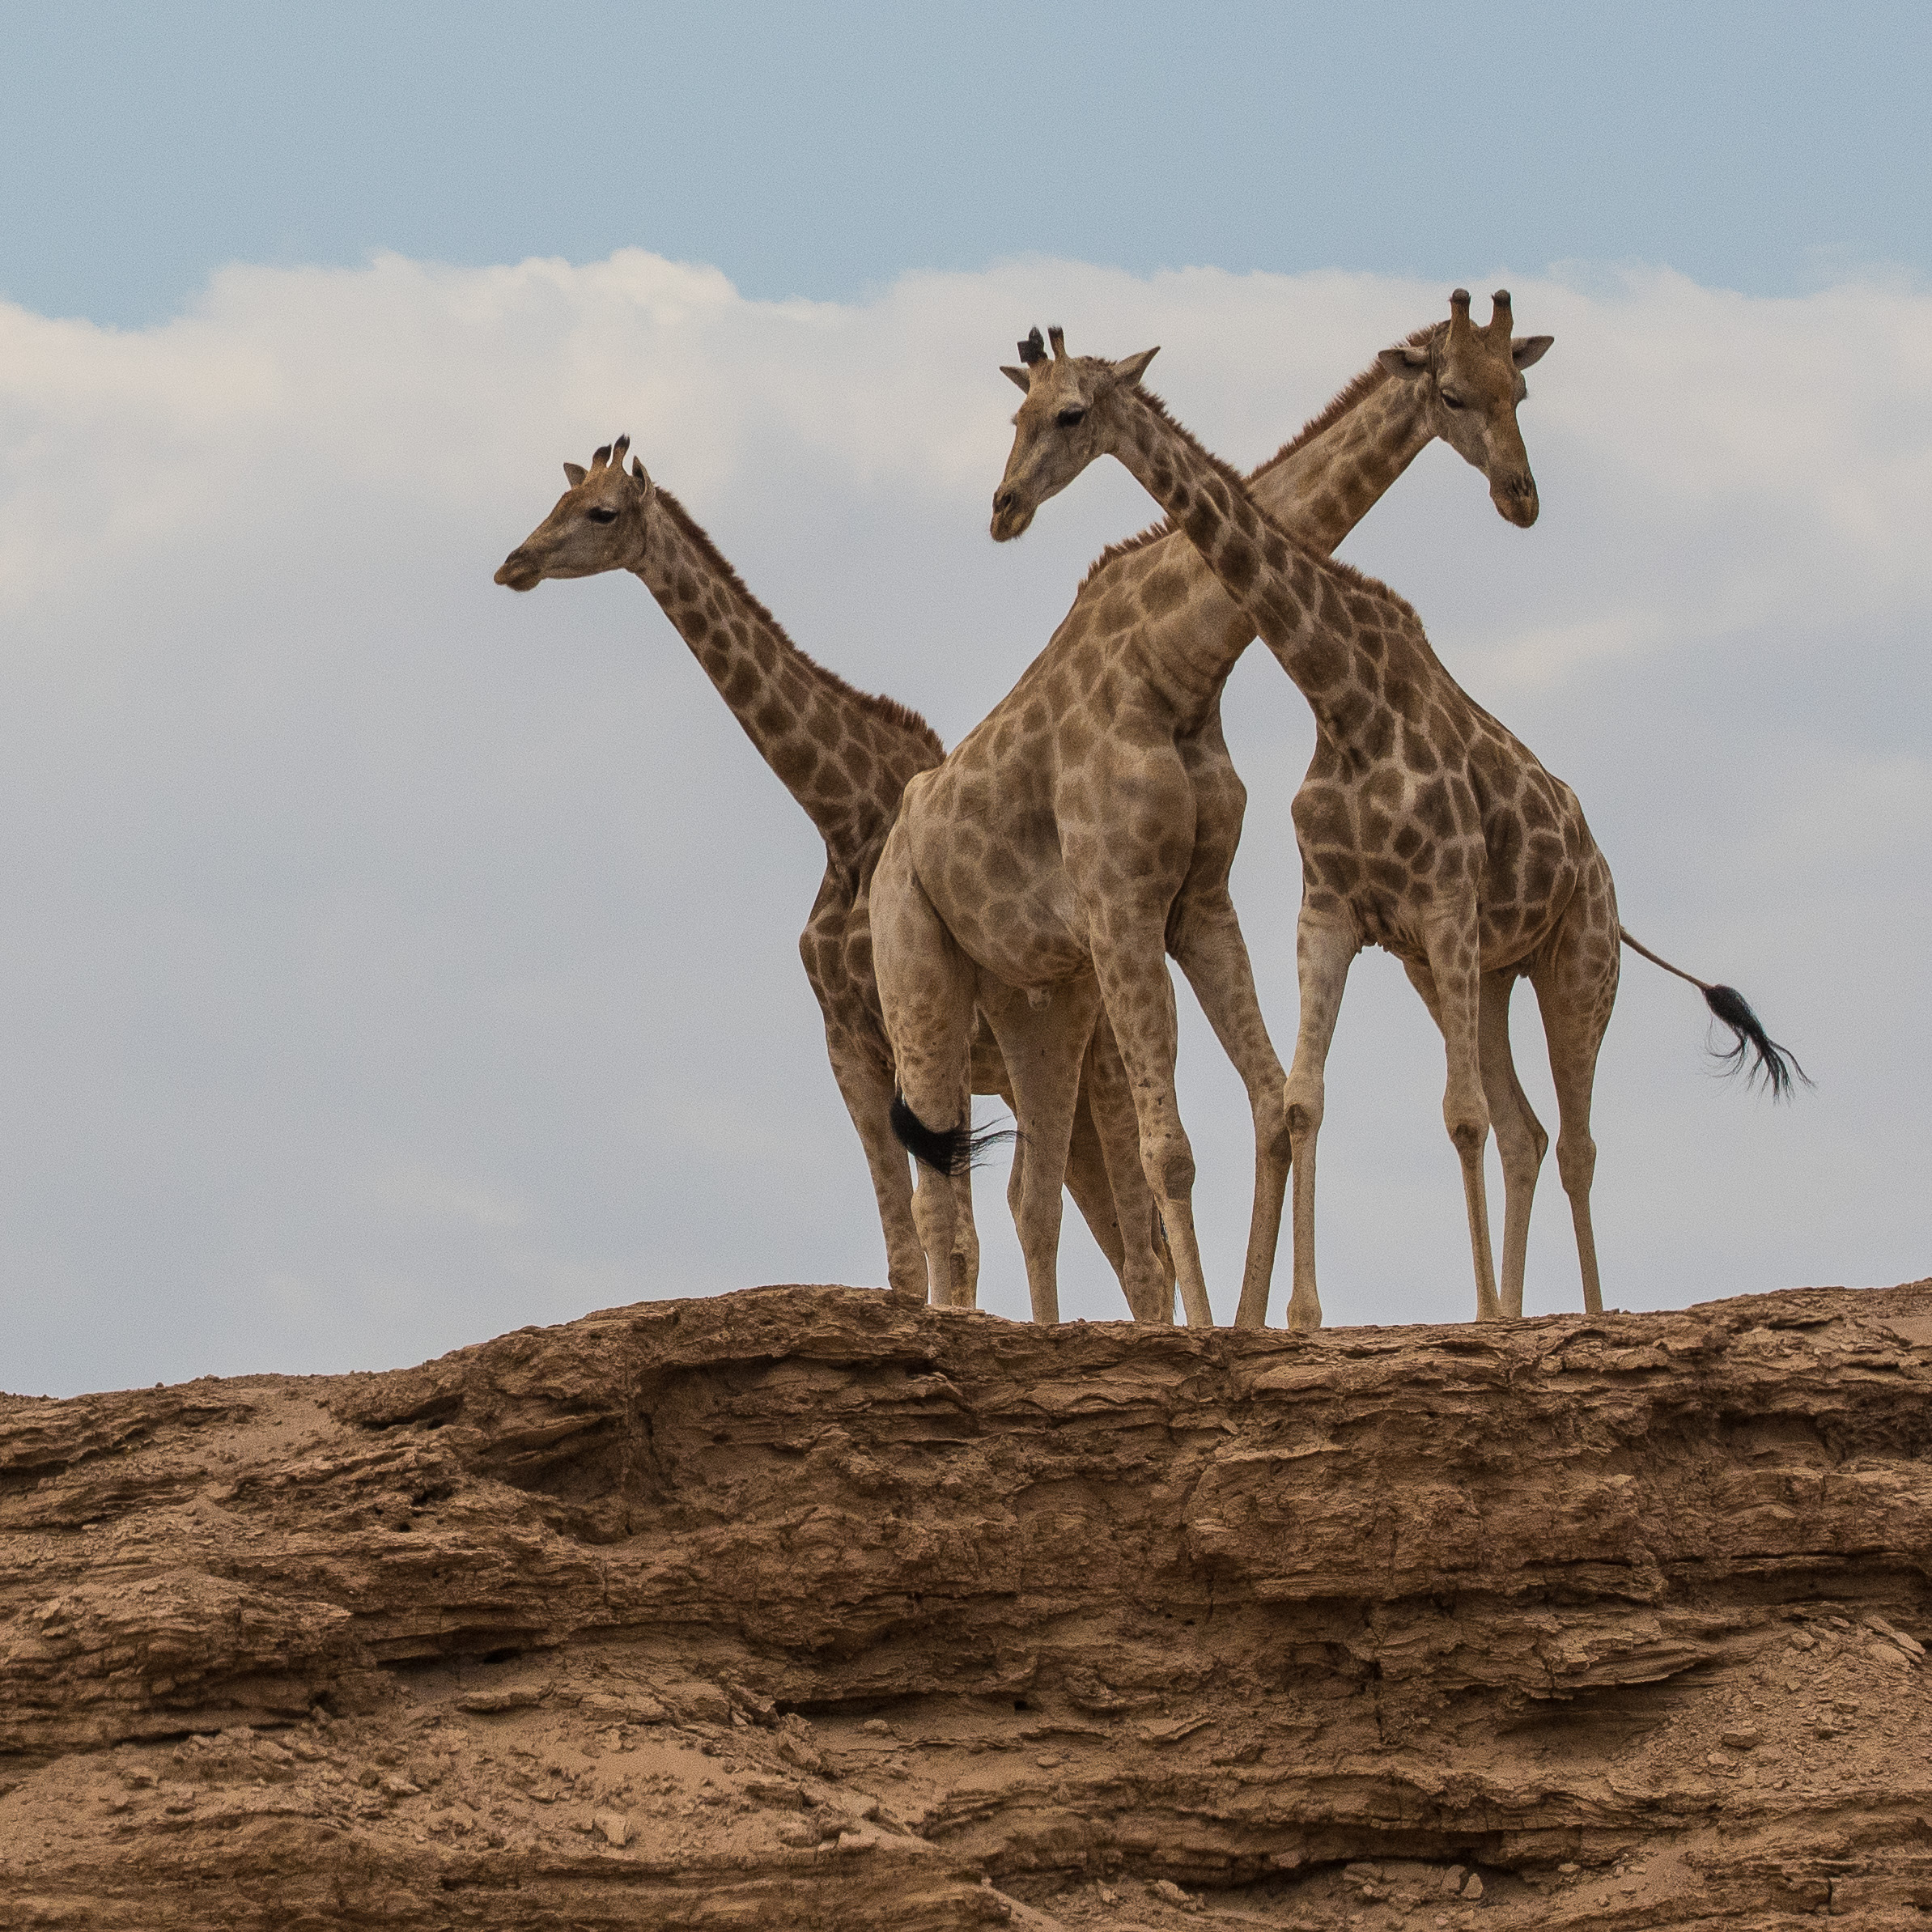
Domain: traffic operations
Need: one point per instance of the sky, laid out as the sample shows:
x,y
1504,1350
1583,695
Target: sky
x,y
393,961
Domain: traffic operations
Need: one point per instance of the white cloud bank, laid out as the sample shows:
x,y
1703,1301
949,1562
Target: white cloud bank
x,y
389,961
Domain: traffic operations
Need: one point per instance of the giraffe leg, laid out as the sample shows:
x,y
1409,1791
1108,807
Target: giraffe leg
x,y
1087,1182
1090,1177
1576,988
867,1087
1453,965
1134,982
1147,1274
1323,954
1520,1138
1208,945
862,1065
926,987
1043,1046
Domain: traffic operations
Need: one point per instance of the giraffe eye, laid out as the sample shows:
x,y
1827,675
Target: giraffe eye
x,y
1450,401
1071,418
601,516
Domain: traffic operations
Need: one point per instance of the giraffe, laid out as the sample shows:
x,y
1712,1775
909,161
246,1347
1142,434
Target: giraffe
x,y
845,756
1133,679
1425,826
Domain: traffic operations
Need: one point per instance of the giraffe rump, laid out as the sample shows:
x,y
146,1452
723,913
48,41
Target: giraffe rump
x,y
952,1150
1752,1050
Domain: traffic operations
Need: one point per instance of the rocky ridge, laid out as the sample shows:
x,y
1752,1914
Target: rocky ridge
x,y
811,1606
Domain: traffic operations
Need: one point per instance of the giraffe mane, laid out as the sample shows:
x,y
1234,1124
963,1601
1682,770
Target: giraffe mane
x,y
900,717
1334,567
1352,392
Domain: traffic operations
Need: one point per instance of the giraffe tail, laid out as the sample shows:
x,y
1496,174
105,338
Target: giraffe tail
x,y
953,1150
1752,1050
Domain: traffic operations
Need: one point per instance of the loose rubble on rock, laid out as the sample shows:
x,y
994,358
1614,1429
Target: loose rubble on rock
x,y
811,1607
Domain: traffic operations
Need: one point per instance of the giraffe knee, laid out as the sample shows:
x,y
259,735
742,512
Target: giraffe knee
x,y
1169,1168
1302,1110
1274,1131
1468,1128
1576,1163
1523,1144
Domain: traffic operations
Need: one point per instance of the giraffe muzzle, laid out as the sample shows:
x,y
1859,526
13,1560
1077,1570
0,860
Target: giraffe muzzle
x,y
1515,497
518,572
1010,515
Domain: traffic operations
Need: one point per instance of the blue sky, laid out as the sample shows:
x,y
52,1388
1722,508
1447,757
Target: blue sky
x,y
389,961
818,151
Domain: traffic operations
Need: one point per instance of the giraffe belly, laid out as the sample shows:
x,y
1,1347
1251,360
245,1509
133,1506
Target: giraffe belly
x,y
1023,944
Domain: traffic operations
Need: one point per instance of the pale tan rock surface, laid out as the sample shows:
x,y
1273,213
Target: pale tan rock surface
x,y
811,1608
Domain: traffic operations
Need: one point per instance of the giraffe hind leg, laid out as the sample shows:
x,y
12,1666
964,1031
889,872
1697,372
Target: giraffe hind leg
x,y
1576,988
1043,1047
925,986
1453,967
1521,1140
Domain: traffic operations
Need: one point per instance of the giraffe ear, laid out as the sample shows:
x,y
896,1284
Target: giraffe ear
x,y
1018,378
1527,348
1407,360
576,473
1133,367
637,470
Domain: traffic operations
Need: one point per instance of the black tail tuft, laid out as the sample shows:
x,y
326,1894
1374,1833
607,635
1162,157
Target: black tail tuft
x,y
1775,1065
953,1150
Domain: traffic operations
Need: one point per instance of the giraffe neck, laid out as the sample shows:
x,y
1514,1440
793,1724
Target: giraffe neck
x,y
1322,489
1296,601
845,757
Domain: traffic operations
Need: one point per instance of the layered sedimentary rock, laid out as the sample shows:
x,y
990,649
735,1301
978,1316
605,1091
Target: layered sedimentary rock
x,y
809,1606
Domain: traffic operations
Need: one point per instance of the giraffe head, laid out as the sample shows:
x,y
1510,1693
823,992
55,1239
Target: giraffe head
x,y
598,523
1473,379
1062,426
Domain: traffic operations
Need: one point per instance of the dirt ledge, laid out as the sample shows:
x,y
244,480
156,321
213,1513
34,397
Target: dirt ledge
x,y
809,1606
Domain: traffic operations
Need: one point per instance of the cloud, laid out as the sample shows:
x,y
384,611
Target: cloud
x,y
391,961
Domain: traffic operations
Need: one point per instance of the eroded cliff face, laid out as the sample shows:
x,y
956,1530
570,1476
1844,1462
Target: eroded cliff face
x,y
809,1606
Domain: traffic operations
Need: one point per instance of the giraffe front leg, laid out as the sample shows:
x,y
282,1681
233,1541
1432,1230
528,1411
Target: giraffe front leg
x,y
1453,965
867,1089
836,953
1208,945
1147,1270
1323,954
